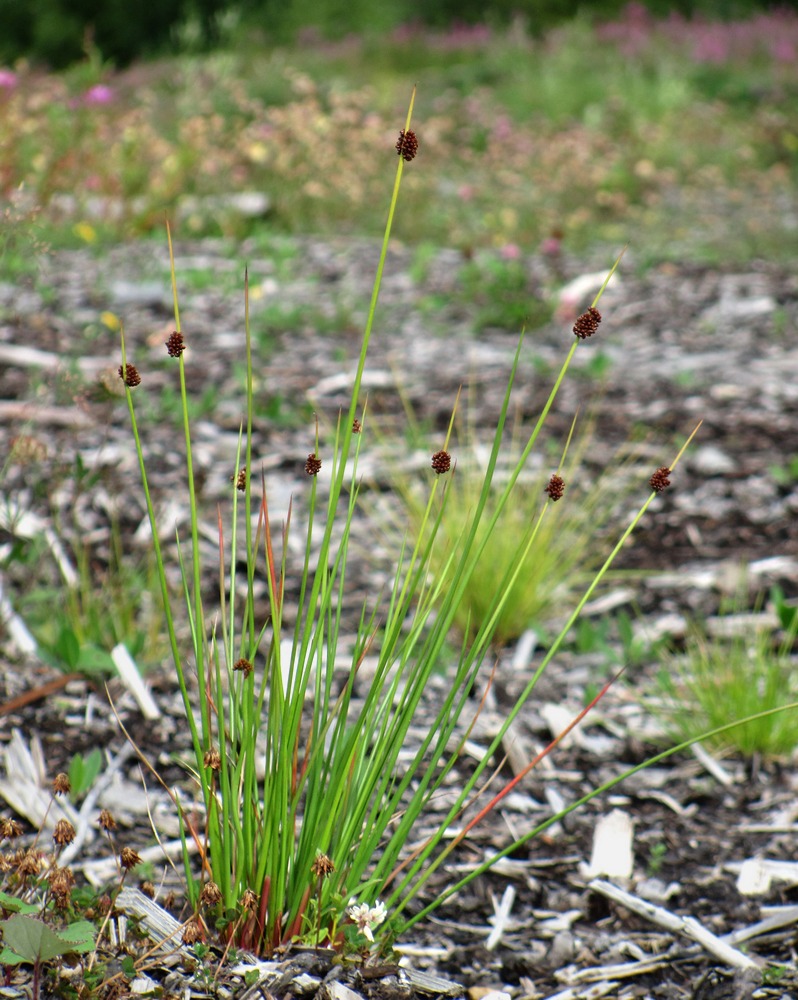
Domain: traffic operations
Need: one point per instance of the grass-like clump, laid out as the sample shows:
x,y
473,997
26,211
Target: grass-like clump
x,y
733,673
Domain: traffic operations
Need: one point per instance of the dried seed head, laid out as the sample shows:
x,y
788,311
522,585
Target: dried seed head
x,y
29,864
25,449
175,345
130,376
61,881
129,858
441,462
107,821
193,932
10,829
248,900
555,487
407,144
61,784
357,427
210,895
244,665
322,865
64,833
147,889
588,323
659,481
240,480
313,465
212,759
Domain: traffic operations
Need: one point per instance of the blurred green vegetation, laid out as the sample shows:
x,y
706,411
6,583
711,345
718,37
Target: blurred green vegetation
x,y
57,32
681,139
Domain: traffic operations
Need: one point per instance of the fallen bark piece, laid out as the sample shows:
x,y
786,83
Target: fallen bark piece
x,y
688,926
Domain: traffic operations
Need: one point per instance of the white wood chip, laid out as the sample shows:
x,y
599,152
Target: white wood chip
x,y
586,993
132,679
754,878
338,991
557,719
26,787
524,648
500,918
161,926
776,918
612,853
777,871
688,926
712,766
16,630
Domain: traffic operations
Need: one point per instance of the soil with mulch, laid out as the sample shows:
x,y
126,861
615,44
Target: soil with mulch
x,y
678,344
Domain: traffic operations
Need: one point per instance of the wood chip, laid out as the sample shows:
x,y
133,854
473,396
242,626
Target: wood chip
x,y
688,926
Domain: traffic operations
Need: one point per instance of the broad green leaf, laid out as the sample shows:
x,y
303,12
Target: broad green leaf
x,y
29,939
14,905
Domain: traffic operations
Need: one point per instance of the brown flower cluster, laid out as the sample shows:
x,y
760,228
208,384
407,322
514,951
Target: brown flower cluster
x,y
588,323
660,480
441,462
555,487
313,465
322,865
175,345
244,665
407,144
130,376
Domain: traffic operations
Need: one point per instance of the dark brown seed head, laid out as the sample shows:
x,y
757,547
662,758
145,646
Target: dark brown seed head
x,y
193,932
588,323
30,863
240,480
212,759
61,881
210,895
407,144
129,858
357,427
322,866
313,465
248,900
64,833
555,487
130,376
660,481
441,462
10,829
175,345
244,665
147,889
61,784
107,821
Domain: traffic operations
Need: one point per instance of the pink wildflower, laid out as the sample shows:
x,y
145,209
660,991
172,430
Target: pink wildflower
x,y
8,79
98,94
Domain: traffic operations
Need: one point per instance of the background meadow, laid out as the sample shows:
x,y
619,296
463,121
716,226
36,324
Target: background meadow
x,y
679,135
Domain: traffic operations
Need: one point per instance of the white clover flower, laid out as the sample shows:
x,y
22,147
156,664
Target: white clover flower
x,y
367,918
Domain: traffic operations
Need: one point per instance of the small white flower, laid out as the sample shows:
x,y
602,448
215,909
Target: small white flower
x,y
377,914
367,918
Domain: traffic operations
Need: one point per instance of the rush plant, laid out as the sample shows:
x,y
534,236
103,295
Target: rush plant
x,y
307,812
